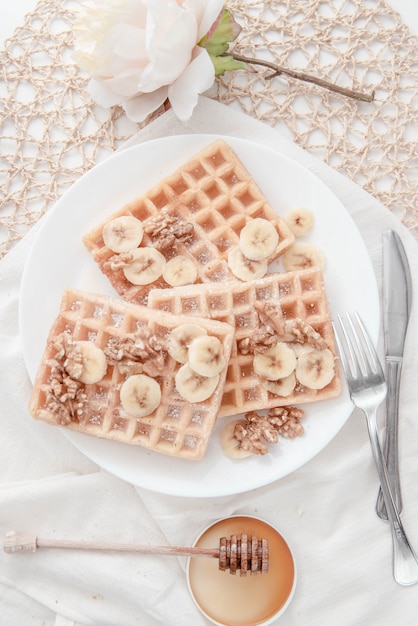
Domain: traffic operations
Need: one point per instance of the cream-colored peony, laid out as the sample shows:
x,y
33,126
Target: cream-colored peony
x,y
141,52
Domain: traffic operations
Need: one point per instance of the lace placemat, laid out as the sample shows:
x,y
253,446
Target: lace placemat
x,y
51,132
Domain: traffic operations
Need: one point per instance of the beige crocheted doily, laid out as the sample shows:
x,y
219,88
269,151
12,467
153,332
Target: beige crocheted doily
x,y
51,133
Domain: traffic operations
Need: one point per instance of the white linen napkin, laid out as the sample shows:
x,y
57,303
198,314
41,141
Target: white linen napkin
x,y
325,509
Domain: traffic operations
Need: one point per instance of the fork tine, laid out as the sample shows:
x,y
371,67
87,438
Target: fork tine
x,y
358,355
345,349
357,334
370,356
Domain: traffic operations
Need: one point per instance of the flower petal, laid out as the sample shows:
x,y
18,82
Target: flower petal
x,y
173,37
197,78
102,94
139,107
206,13
124,84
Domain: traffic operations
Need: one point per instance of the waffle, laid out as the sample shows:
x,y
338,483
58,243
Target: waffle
x,y
175,427
214,192
299,294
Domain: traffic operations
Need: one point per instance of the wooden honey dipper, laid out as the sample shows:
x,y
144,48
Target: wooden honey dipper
x,y
246,554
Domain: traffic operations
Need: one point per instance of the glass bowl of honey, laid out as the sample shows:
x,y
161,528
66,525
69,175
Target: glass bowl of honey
x,y
228,599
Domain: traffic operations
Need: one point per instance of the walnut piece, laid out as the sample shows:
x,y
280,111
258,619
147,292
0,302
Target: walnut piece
x,y
167,230
258,429
289,331
137,353
118,261
261,340
73,363
65,396
250,438
271,315
299,331
286,419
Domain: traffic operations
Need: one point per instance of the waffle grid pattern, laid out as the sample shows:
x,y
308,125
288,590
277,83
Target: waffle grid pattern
x,y
214,191
176,427
300,295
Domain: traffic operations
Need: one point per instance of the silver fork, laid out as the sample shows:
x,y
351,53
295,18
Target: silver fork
x,y
367,388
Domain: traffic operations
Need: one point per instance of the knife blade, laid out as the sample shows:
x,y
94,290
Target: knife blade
x,y
397,299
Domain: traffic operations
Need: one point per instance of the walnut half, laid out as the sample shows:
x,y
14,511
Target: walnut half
x,y
259,430
286,420
261,340
137,353
167,230
65,397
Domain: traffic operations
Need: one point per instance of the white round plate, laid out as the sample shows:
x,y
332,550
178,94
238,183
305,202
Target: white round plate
x,y
58,260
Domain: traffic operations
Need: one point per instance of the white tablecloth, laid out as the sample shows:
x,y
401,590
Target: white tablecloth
x,y
326,508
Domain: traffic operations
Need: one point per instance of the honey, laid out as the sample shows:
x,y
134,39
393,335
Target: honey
x,y
234,600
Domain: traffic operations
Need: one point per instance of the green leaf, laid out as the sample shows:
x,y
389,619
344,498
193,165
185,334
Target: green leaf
x,y
226,63
223,32
215,49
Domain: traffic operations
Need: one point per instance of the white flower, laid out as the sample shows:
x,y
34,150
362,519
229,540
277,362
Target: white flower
x,y
141,52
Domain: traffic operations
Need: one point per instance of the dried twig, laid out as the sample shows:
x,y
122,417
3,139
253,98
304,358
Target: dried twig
x,y
278,70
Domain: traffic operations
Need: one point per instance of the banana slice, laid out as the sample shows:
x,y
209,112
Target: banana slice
x,y
282,387
123,233
180,270
180,338
192,387
140,395
315,369
146,266
277,362
244,268
206,356
231,445
87,363
300,221
258,239
301,256
301,348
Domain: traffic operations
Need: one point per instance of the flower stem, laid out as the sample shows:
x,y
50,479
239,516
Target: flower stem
x,y
277,70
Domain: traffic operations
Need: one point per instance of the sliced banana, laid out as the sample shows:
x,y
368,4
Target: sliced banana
x,y
300,221
302,256
244,268
87,362
230,445
206,355
277,362
140,395
180,338
123,233
180,270
282,387
146,266
301,348
193,387
315,369
258,239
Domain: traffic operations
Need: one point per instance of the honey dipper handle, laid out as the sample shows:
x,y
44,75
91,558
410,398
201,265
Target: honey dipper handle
x,y
19,542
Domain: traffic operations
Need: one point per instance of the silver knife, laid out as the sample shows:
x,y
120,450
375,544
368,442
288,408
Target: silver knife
x,y
397,297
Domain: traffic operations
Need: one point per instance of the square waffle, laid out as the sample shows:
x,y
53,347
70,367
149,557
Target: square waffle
x,y
216,194
296,295
176,427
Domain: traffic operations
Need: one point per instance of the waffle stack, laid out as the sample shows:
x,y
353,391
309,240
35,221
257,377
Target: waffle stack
x,y
215,194
298,295
133,340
